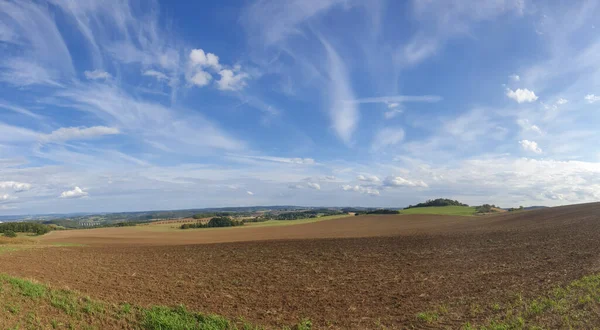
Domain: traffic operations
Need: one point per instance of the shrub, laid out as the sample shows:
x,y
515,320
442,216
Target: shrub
x,y
10,233
223,222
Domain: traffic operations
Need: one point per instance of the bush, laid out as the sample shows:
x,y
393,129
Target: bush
x,y
10,233
223,222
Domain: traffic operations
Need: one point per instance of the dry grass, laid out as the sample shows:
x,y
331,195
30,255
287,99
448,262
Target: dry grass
x,y
20,240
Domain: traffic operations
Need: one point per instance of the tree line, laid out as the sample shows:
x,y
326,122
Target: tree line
x,y
24,227
214,223
437,202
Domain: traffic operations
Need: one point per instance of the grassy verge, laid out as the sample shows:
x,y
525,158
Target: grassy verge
x,y
575,306
28,305
442,210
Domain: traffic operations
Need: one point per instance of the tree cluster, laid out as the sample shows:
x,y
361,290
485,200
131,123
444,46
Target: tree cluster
x,y
24,227
437,202
213,223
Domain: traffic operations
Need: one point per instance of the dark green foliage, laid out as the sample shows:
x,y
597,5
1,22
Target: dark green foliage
x,y
24,227
512,209
437,202
486,208
211,214
303,214
214,223
382,211
10,233
126,224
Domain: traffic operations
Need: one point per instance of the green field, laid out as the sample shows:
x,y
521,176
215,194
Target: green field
x,y
442,210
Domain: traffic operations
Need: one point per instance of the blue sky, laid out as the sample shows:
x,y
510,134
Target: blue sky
x,y
136,105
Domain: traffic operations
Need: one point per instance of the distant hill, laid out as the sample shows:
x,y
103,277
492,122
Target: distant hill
x,y
437,202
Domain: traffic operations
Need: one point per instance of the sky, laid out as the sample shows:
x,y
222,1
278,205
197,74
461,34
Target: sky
x,y
123,105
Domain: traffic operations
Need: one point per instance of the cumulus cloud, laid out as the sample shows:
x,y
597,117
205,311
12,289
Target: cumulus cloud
x,y
521,95
314,185
200,78
232,81
156,74
361,189
591,98
97,75
75,193
15,186
205,60
530,146
79,133
386,137
368,178
199,62
396,181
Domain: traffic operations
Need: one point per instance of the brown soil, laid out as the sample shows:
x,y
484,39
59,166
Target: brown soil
x,y
357,272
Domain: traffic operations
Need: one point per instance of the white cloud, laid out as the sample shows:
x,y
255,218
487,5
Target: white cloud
x,y
200,78
386,137
97,75
75,193
591,98
344,114
156,74
163,127
396,181
4,197
393,105
368,178
250,193
527,126
204,60
199,62
15,186
418,49
361,189
296,160
531,146
314,185
562,101
232,81
514,77
79,133
20,110
521,95
22,72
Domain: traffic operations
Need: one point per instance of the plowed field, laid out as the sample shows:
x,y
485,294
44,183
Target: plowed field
x,y
356,272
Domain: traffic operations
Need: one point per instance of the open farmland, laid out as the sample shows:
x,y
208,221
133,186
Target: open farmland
x,y
392,271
